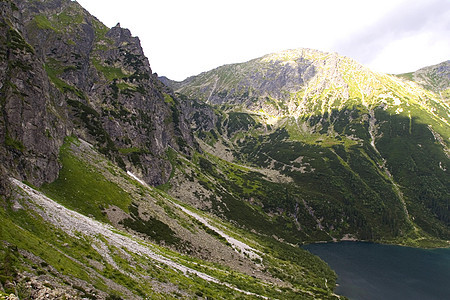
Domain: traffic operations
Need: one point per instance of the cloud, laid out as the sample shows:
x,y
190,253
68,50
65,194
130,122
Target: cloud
x,y
409,22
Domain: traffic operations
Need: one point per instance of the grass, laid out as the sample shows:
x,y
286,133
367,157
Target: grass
x,y
54,69
57,249
109,72
152,227
11,142
43,22
414,158
69,256
16,42
28,231
83,188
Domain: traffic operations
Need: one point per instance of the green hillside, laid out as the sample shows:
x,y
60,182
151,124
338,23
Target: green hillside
x,y
153,238
358,153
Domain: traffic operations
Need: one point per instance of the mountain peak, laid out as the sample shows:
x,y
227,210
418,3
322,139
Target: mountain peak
x,y
295,54
294,82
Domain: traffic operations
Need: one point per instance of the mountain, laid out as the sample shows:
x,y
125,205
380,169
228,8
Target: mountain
x,y
303,82
360,153
116,184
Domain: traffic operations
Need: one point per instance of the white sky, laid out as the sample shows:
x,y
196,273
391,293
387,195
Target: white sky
x,y
186,37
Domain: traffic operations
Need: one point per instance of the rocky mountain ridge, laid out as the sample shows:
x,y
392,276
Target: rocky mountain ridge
x,y
79,106
32,110
435,78
303,82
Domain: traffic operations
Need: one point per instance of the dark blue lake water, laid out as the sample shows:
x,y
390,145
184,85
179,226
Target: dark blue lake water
x,y
372,271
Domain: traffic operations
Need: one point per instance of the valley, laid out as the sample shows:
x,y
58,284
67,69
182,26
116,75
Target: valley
x,y
119,184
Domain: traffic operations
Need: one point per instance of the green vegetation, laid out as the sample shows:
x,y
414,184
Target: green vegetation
x,y
239,122
130,150
15,144
336,179
16,42
110,73
83,188
356,153
151,227
43,22
408,76
168,99
60,22
418,162
31,233
54,69
91,119
351,159
57,254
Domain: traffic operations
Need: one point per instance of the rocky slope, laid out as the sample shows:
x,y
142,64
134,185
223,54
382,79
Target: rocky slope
x,y
435,78
80,106
300,82
132,241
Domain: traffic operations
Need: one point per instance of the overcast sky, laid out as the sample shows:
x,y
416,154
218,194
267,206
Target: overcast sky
x,y
186,37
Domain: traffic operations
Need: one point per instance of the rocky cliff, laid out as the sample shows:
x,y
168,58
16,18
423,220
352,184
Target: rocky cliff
x,y
300,82
250,161
65,74
95,82
34,118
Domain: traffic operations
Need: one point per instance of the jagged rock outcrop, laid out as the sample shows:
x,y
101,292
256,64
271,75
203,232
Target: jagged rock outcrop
x,y
277,113
296,83
100,85
299,146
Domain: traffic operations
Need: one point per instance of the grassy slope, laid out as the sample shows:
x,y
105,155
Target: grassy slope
x,y
82,188
89,185
336,180
395,191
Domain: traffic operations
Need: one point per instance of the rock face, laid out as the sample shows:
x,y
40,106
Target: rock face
x,y
294,147
33,112
315,125
70,74
274,76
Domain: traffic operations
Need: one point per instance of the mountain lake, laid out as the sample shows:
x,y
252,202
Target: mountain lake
x,y
369,271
